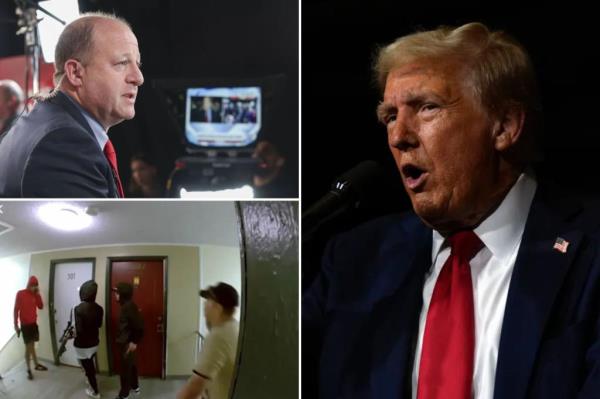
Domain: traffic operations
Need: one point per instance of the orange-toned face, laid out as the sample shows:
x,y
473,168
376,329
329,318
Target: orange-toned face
x,y
112,74
442,140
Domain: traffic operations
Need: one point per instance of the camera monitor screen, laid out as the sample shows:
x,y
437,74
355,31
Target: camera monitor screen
x,y
222,117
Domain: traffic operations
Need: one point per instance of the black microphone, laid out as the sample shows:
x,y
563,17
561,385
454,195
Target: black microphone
x,y
347,192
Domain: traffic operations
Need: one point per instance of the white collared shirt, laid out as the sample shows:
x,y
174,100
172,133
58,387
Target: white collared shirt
x,y
491,270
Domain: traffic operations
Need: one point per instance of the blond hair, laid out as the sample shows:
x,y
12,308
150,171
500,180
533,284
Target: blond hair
x,y
76,41
499,70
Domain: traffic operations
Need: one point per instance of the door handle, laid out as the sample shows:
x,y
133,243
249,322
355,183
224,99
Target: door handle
x,y
159,328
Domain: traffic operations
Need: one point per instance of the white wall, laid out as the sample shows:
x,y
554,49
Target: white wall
x,y
15,273
219,263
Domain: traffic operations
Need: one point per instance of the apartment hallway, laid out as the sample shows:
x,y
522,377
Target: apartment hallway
x,y
66,382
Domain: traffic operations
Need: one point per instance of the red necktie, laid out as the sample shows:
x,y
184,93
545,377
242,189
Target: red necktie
x,y
448,351
111,156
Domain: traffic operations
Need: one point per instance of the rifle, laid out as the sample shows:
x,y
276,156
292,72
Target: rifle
x,y
68,334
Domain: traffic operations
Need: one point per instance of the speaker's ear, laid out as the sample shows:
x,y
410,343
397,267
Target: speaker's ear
x,y
73,72
509,127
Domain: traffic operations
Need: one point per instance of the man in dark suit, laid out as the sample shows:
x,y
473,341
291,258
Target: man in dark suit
x,y
62,149
491,289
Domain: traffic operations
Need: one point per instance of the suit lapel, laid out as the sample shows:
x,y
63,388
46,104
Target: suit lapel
x,y
394,343
537,277
422,263
67,104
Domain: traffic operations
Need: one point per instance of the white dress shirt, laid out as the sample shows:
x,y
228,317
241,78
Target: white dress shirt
x,y
491,270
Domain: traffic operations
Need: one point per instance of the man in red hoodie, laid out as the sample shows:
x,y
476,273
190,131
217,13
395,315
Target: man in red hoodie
x,y
27,302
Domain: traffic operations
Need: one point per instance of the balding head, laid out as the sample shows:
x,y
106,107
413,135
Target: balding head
x,y
11,99
98,66
77,40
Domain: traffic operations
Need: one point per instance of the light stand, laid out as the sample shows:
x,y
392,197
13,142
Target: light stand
x,y
28,25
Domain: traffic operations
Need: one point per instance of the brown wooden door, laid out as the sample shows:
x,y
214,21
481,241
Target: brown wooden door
x,y
147,278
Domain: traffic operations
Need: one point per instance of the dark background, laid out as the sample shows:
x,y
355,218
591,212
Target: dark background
x,y
339,126
197,39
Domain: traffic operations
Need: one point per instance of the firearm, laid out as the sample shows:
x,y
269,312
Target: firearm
x,y
67,335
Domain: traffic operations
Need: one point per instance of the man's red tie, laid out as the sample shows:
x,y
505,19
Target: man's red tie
x,y
448,351
111,156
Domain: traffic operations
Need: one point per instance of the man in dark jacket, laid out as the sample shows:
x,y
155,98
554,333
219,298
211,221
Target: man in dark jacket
x,y
88,320
61,148
129,335
490,288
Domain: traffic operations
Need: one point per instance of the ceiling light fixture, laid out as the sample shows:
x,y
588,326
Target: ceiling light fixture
x,y
65,217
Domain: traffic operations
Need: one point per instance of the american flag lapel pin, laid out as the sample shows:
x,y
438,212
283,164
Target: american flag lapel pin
x,y
561,245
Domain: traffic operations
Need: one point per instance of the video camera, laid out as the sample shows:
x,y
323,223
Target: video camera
x,y
220,121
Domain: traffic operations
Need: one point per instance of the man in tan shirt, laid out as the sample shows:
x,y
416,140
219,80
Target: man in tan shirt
x,y
216,362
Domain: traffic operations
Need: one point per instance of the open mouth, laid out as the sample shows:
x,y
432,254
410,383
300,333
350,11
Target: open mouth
x,y
414,177
130,96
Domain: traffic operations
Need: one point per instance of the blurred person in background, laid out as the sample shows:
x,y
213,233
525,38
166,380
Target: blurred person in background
x,y
145,181
12,101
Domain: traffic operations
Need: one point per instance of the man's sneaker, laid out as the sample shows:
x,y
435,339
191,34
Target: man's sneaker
x,y
29,375
137,390
89,392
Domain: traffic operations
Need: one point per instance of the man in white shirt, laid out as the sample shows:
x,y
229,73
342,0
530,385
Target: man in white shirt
x,y
216,363
492,288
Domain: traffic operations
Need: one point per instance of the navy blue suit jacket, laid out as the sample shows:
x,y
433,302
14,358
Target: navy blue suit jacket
x,y
52,152
361,314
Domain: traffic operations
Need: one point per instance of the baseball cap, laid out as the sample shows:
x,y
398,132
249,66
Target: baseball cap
x,y
222,293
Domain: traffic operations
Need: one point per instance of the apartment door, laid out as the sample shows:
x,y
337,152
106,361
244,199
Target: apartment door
x,y
147,275
66,278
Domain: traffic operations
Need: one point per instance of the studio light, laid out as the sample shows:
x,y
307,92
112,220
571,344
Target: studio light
x,y
49,29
